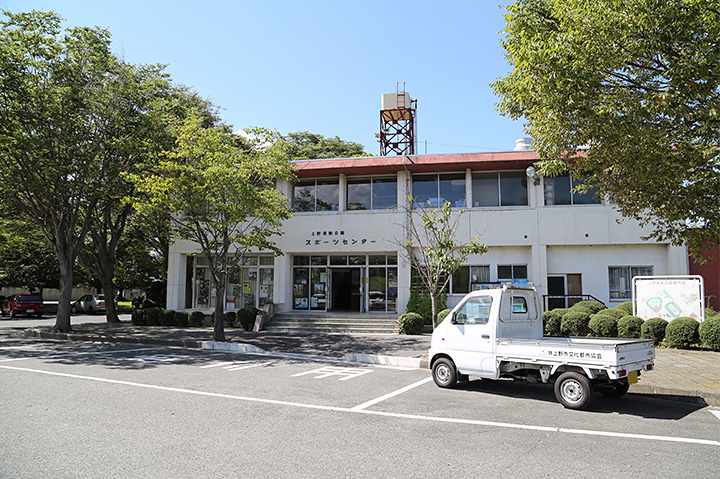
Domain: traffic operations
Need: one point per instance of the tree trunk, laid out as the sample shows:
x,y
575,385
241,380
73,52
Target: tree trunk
x,y
219,330
110,310
62,323
433,309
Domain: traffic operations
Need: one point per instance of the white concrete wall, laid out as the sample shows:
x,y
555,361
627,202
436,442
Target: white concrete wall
x,y
583,239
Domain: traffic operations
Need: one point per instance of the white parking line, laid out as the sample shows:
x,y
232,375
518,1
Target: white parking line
x,y
390,395
715,413
470,422
65,355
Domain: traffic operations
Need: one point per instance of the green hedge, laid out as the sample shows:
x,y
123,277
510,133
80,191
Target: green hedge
x,y
182,319
138,317
589,306
551,322
627,306
230,317
654,328
603,326
630,327
614,312
167,317
152,316
411,323
246,318
196,318
575,323
682,332
443,314
710,333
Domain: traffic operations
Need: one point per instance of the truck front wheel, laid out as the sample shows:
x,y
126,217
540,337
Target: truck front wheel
x,y
444,373
573,390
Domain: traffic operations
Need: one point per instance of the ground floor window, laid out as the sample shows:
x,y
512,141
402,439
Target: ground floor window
x,y
249,285
352,283
620,279
468,278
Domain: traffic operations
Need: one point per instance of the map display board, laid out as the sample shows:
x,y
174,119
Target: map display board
x,y
668,297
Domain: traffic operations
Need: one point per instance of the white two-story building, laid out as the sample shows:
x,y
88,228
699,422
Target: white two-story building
x,y
341,245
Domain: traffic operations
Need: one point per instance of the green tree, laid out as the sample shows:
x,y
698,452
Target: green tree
x,y
26,257
303,145
433,248
56,86
222,196
625,95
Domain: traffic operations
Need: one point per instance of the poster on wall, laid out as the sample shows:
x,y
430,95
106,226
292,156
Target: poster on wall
x,y
301,303
263,292
668,297
247,287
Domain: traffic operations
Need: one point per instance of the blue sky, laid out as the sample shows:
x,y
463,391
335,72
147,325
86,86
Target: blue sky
x,y
321,66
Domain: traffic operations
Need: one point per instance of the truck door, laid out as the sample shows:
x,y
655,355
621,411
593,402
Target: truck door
x,y
471,337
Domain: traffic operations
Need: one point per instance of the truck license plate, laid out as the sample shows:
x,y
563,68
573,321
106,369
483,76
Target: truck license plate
x,y
30,310
632,377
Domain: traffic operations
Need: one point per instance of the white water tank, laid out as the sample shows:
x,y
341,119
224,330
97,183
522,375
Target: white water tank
x,y
523,144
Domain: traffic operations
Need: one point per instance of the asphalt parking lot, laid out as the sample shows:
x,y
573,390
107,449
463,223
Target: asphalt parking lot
x,y
123,395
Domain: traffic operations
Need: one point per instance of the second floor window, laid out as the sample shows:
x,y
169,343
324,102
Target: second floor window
x,y
505,188
431,191
559,191
371,193
316,195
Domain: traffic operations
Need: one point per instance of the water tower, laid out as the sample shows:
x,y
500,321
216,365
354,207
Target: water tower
x,y
398,135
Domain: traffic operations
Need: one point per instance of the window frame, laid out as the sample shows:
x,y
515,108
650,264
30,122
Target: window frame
x,y
621,295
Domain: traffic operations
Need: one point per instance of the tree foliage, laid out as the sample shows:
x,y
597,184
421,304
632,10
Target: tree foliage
x,y
26,257
58,92
222,196
624,95
303,145
433,248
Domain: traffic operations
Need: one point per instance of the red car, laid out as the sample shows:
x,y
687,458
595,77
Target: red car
x,y
23,304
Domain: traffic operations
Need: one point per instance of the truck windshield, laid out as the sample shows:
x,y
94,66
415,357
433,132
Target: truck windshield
x,y
29,299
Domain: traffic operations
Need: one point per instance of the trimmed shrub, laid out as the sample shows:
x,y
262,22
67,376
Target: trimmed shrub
x,y
182,319
148,303
420,303
138,317
167,318
152,316
575,323
614,312
410,323
629,327
654,328
710,333
603,326
443,314
230,317
627,306
710,313
589,305
196,318
551,322
246,318
682,332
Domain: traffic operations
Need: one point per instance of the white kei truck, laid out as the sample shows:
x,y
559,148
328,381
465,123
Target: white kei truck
x,y
498,333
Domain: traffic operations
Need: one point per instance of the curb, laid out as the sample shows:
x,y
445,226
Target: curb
x,y
695,396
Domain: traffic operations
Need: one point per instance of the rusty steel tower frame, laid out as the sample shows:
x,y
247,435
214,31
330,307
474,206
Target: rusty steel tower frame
x,y
398,124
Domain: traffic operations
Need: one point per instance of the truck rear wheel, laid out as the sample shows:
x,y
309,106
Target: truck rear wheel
x,y
615,389
573,390
444,373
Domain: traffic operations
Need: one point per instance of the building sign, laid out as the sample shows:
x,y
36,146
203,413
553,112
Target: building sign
x,y
668,297
335,238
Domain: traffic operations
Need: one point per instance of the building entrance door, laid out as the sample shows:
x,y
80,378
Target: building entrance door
x,y
346,289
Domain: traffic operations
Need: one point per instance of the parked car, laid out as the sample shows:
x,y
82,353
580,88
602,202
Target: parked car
x,y
23,304
90,303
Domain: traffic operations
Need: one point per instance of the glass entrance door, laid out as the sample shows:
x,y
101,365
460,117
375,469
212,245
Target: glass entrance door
x,y
346,289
